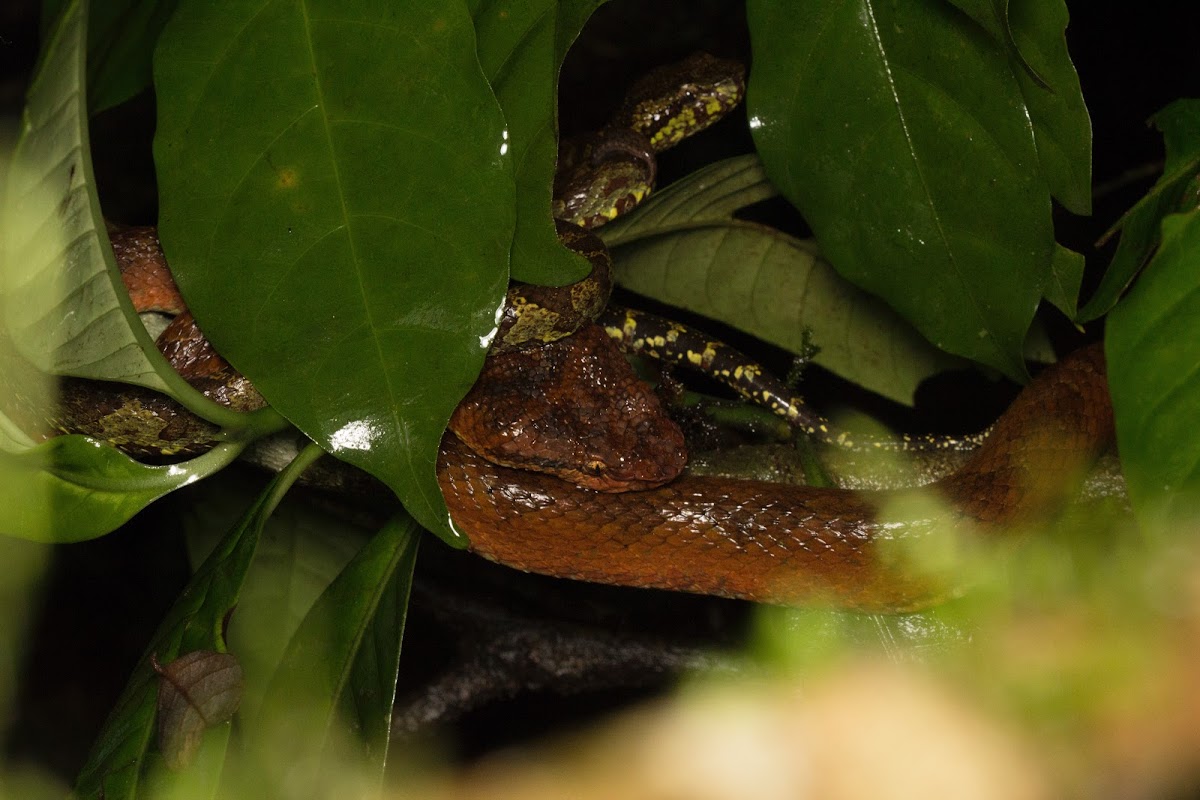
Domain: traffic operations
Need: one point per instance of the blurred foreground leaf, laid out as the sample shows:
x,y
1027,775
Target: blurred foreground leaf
x,y
328,707
62,302
121,757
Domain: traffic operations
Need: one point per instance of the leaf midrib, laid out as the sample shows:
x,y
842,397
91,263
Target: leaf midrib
x,y
399,429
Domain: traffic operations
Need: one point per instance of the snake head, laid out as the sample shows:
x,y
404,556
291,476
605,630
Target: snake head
x,y
575,409
674,101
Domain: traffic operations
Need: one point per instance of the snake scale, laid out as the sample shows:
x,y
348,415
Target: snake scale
x,y
623,515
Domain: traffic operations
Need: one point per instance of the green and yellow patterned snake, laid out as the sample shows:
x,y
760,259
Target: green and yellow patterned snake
x,y
612,505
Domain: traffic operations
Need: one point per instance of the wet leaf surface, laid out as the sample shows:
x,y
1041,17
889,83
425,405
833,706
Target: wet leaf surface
x,y
963,254
338,207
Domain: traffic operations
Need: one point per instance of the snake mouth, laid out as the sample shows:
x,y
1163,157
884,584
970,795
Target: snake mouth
x,y
632,472
611,483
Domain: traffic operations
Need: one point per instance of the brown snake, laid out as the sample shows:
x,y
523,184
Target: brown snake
x,y
736,538
777,543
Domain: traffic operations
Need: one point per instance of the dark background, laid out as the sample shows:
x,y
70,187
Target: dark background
x,y
102,600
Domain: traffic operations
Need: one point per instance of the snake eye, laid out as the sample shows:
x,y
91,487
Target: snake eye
x,y
595,467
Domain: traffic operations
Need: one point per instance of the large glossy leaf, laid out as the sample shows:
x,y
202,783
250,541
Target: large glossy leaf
x,y
337,679
1032,31
684,247
121,756
338,209
1153,349
899,131
521,47
1140,226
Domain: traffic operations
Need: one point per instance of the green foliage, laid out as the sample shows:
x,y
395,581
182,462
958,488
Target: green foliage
x,y
307,244
521,45
122,754
1153,352
339,670
868,122
346,189
1066,276
64,307
64,311
1140,226
120,44
73,488
685,247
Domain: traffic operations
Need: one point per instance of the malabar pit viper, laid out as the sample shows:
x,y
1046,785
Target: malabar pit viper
x,y
614,507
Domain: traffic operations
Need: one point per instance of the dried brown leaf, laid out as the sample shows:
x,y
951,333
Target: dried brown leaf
x,y
196,691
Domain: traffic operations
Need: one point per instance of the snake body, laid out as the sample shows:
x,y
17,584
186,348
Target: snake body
x,y
772,542
736,538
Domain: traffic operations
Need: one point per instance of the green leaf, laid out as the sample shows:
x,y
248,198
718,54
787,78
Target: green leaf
x,y
1180,125
684,247
1066,276
521,46
1062,128
1153,349
121,37
63,306
301,551
899,132
121,40
116,766
338,212
73,488
61,301
64,311
993,16
1031,31
335,685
